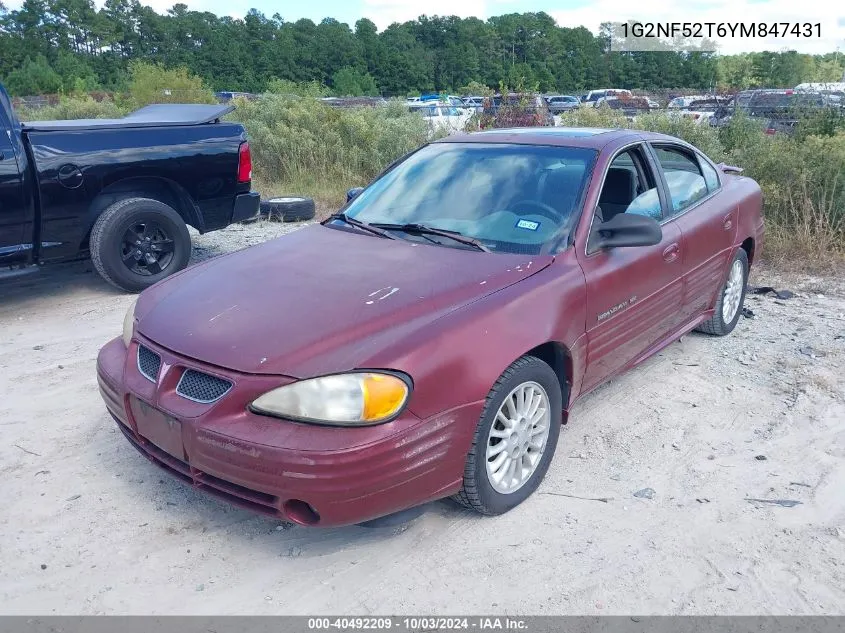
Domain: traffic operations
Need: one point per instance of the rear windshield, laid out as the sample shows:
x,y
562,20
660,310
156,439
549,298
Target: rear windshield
x,y
513,198
783,101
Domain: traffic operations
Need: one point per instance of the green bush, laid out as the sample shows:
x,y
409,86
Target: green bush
x,y
304,143
73,108
595,117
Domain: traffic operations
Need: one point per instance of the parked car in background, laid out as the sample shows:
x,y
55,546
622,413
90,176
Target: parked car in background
x,y
441,117
487,282
354,102
835,89
592,97
777,110
451,100
122,191
558,104
516,110
226,96
679,103
629,105
702,111
474,103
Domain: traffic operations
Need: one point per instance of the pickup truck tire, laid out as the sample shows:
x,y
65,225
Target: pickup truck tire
x,y
478,491
731,298
288,209
137,242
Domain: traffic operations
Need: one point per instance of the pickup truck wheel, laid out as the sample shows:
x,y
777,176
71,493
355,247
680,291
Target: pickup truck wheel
x,y
288,209
515,439
138,241
731,298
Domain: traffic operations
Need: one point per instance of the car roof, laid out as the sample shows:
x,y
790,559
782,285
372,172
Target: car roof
x,y
561,136
595,138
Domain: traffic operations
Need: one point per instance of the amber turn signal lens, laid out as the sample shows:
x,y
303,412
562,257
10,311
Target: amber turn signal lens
x,y
384,395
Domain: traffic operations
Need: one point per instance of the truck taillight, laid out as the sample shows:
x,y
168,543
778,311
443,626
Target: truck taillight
x,y
244,163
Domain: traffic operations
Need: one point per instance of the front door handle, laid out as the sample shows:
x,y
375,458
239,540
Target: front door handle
x,y
728,222
670,253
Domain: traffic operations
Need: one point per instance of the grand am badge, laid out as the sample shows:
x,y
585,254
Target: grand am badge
x,y
609,313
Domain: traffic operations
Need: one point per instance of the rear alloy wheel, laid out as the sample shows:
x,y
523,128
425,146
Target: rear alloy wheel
x,y
515,439
137,242
731,297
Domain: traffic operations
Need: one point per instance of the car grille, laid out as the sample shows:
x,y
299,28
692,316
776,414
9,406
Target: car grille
x,y
148,363
199,387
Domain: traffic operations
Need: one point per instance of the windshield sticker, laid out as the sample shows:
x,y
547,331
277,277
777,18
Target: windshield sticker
x,y
528,225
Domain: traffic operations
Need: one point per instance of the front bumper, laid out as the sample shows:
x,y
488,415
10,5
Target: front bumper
x,y
308,474
246,206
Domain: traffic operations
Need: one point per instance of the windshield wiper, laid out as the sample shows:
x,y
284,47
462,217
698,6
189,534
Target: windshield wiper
x,y
422,229
361,225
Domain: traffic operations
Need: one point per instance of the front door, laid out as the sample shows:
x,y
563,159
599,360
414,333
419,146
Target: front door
x,y
633,293
13,207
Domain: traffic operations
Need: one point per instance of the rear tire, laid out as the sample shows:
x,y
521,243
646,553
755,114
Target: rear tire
x,y
137,242
479,491
731,298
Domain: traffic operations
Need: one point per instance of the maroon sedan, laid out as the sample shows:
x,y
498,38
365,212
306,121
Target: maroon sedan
x,y
429,340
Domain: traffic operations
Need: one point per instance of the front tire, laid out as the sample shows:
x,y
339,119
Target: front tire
x,y
515,439
137,242
731,298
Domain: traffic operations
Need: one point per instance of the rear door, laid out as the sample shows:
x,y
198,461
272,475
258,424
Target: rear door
x,y
633,294
706,217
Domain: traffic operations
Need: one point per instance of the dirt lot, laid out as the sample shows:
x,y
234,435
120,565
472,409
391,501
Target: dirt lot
x,y
89,526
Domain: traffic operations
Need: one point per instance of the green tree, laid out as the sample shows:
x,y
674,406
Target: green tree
x,y
351,82
152,83
34,77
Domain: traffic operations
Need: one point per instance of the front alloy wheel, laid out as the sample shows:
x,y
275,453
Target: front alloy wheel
x,y
515,438
518,438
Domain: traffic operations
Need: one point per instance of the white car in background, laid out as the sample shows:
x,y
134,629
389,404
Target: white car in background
x,y
475,104
679,103
594,97
443,117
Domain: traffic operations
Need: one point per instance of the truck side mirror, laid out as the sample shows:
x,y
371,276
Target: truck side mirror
x,y
353,192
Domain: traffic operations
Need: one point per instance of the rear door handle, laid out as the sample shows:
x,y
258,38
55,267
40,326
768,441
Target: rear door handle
x,y
728,222
670,253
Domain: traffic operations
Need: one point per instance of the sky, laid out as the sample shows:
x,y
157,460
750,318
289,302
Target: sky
x,y
588,13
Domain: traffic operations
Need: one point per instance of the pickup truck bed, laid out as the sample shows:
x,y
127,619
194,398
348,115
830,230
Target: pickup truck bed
x,y
156,115
121,190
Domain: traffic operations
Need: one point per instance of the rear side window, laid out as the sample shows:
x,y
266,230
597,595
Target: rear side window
x,y
683,177
711,178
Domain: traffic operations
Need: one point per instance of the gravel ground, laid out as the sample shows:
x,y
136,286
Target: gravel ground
x,y
709,480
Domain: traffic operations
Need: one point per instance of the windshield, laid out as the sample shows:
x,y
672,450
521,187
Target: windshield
x,y
512,198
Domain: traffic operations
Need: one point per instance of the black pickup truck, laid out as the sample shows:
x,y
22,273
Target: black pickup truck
x,y
120,190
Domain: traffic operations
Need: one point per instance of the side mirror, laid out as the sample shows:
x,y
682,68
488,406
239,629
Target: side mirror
x,y
627,229
353,192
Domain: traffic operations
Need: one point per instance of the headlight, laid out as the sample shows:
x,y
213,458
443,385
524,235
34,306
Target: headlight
x,y
353,399
129,323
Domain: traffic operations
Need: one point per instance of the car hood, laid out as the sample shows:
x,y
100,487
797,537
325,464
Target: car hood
x,y
318,300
